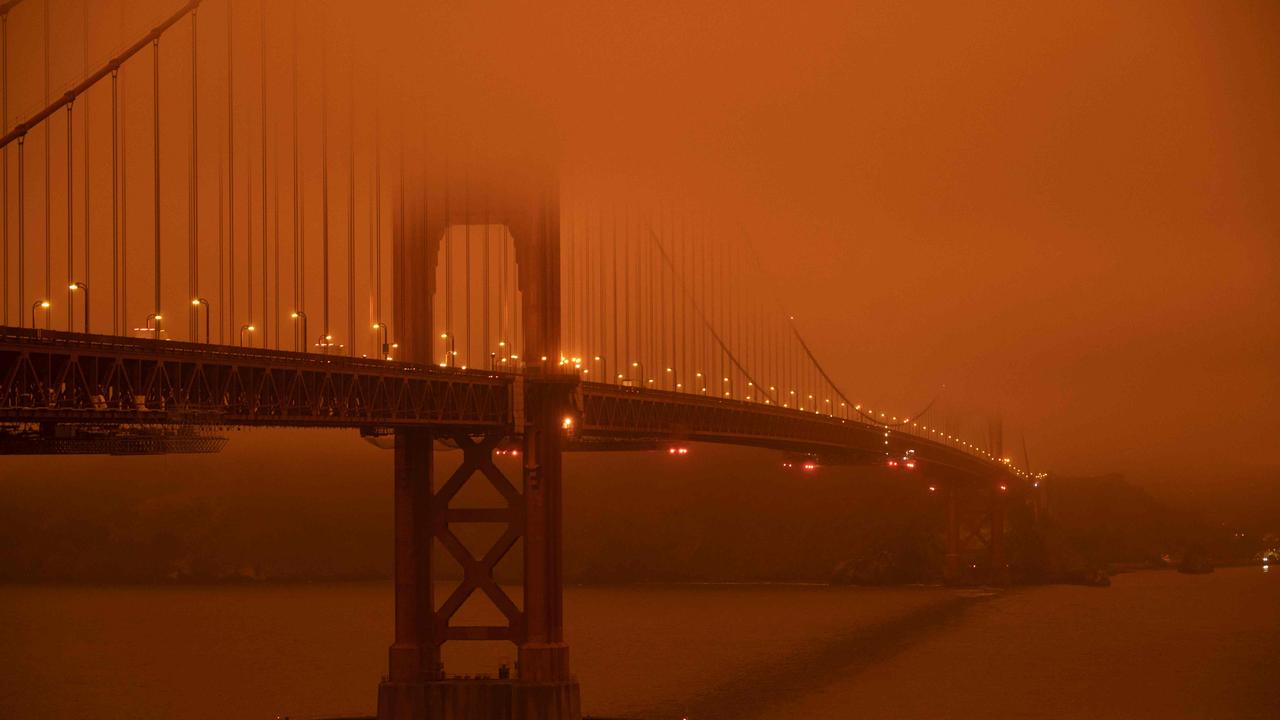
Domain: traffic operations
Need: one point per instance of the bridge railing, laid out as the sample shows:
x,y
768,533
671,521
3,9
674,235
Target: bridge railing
x,y
70,377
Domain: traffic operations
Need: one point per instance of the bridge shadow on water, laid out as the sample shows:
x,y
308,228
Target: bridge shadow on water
x,y
765,689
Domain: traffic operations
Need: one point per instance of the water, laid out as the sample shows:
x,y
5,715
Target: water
x,y
1153,645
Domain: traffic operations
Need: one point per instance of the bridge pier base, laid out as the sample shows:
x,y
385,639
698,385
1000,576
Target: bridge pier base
x,y
416,687
479,699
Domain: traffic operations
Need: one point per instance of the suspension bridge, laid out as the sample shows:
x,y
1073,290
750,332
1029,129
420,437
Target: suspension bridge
x,y
229,214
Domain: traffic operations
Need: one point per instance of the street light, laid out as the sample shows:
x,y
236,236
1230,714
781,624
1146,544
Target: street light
x,y
451,353
386,346
641,368
324,343
85,289
37,305
157,317
197,302
299,341
244,329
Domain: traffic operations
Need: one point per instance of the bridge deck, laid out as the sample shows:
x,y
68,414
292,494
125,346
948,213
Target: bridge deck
x,y
60,377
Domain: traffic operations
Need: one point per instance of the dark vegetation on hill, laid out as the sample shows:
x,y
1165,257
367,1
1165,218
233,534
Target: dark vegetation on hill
x,y
297,506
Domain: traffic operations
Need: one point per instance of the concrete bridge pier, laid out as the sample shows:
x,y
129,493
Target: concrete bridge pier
x,y
951,568
414,657
999,571
974,536
416,686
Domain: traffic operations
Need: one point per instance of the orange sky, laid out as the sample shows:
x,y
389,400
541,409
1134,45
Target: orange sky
x,y
1063,212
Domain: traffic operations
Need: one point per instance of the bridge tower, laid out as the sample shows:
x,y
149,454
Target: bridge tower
x,y
416,686
974,535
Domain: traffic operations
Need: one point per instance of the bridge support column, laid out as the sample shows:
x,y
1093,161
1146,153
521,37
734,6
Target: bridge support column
x,y
545,688
951,567
998,559
414,657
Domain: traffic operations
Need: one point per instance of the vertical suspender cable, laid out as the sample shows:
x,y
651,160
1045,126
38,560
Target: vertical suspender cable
x,y
398,221
704,358
276,319
193,257
651,341
262,112
618,361
115,201
124,213
351,211
248,232
4,127
579,289
503,349
71,262
583,239
569,288
602,343
231,173
377,192
299,296
155,104
324,174
485,260
22,232
685,262
626,290
591,347
222,235
466,252
84,20
579,300
448,266
48,195
675,346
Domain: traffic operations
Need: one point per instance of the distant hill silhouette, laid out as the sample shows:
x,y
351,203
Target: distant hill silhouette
x,y
310,506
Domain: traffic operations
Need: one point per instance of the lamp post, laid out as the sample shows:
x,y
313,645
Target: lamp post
x,y
640,367
202,302
727,393
244,329
148,325
386,346
299,341
325,341
450,354
672,373
84,289
37,305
